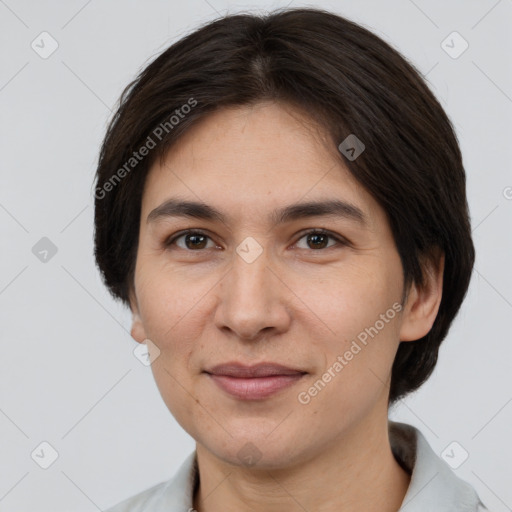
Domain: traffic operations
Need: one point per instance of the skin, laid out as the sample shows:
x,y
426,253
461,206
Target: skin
x,y
296,304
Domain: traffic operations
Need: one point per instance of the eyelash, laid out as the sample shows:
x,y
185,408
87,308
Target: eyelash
x,y
315,231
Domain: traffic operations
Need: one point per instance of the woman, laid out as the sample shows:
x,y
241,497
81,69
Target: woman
x,y
280,201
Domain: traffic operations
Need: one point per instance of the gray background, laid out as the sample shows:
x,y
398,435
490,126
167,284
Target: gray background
x,y
68,375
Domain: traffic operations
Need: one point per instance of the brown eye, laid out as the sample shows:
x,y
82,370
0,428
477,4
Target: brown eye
x,y
317,241
195,241
191,241
320,240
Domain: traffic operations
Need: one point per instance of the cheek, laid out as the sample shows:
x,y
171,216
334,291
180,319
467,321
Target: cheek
x,y
168,298
350,299
358,334
173,316
173,319
356,373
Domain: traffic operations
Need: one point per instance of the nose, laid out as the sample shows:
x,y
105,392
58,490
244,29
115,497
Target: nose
x,y
253,301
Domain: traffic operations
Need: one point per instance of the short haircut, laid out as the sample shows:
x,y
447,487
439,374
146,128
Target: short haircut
x,y
344,78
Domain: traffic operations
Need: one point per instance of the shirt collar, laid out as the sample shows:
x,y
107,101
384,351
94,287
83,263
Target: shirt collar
x,y
433,486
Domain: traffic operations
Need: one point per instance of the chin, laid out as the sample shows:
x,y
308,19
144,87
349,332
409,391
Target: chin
x,y
257,451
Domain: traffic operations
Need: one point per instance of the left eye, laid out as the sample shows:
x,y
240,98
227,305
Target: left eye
x,y
319,240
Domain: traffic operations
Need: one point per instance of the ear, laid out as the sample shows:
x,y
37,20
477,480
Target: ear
x,y
422,302
137,332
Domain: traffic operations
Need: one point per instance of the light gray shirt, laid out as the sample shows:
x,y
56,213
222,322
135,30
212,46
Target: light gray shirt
x,y
433,487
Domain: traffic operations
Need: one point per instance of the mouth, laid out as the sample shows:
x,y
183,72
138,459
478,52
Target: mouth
x,y
254,382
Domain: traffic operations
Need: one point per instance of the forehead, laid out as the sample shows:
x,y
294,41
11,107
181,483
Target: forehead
x,y
258,156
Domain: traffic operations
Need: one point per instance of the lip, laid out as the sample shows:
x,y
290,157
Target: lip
x,y
255,382
265,369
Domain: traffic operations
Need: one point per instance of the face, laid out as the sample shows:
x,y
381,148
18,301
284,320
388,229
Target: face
x,y
251,284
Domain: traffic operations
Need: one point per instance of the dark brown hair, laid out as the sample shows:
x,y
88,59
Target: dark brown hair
x,y
343,77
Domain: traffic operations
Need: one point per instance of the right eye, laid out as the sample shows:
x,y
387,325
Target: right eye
x,y
191,240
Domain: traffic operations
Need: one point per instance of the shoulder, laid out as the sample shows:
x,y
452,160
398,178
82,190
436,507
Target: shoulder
x,y
141,501
434,485
171,495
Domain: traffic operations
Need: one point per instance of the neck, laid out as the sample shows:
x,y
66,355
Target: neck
x,y
356,472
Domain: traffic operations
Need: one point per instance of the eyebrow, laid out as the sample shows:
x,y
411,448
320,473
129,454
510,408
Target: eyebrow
x,y
199,210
